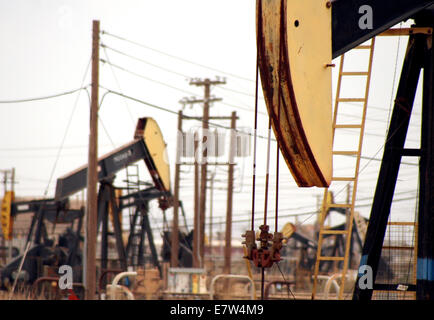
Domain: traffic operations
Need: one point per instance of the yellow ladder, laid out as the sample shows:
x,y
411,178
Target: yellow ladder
x,y
327,205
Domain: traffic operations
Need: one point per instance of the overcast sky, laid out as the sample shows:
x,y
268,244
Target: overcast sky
x,y
46,48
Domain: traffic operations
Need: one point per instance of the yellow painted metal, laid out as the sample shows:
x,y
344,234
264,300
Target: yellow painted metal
x,y
309,50
352,180
405,32
157,149
118,194
287,230
295,54
6,219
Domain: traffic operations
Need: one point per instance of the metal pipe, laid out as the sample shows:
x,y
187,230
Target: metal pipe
x,y
330,281
115,285
230,276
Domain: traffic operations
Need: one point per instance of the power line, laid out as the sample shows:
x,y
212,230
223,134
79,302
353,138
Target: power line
x,y
106,132
139,101
146,78
144,61
241,108
195,63
45,148
104,46
240,92
119,87
372,158
226,127
44,97
175,57
176,113
367,118
222,88
45,156
310,214
67,129
179,74
170,86
373,107
376,135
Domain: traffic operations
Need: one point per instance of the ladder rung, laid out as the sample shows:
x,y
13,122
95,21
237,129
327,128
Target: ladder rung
x,y
325,258
330,231
345,153
343,179
348,126
363,47
351,100
340,205
355,73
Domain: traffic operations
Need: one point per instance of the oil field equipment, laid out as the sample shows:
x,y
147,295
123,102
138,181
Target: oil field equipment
x,y
148,145
296,42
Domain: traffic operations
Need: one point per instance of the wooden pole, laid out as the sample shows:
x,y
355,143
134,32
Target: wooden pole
x,y
92,173
175,227
5,179
211,202
205,127
12,235
228,245
204,167
196,208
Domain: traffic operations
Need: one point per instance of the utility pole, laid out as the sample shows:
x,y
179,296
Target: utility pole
x,y
8,176
5,182
196,232
175,227
12,235
211,201
228,245
92,171
206,83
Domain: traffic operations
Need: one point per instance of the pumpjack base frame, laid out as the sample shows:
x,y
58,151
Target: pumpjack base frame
x,y
419,55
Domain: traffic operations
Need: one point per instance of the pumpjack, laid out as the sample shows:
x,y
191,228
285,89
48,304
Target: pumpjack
x,y
297,40
148,145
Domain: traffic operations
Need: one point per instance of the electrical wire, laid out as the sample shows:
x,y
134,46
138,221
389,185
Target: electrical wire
x,y
176,113
104,46
174,57
119,86
184,75
112,65
181,75
370,160
68,125
307,213
55,95
241,93
147,78
27,247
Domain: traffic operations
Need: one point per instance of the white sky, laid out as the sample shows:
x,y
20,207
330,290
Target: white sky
x,y
46,49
